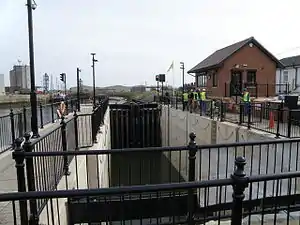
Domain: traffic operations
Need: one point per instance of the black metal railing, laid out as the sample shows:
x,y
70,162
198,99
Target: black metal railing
x,y
233,195
274,119
161,165
256,90
271,118
98,117
18,122
45,173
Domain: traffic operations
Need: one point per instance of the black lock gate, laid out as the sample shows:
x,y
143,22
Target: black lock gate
x,y
135,125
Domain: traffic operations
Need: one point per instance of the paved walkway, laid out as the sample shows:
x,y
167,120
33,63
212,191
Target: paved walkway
x,y
8,181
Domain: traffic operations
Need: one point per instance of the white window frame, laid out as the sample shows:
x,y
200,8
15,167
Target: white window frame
x,y
285,76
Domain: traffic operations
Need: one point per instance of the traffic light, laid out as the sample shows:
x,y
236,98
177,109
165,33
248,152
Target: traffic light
x,y
157,77
160,78
63,77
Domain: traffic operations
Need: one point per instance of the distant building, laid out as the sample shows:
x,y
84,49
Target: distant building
x,y
139,88
243,64
2,85
289,76
19,78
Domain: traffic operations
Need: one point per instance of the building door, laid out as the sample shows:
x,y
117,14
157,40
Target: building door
x,y
236,83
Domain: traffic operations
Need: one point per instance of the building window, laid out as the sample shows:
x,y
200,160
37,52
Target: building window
x,y
251,77
214,80
202,81
285,76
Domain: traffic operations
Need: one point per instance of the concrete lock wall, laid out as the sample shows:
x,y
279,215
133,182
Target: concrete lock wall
x,y
176,126
84,170
216,163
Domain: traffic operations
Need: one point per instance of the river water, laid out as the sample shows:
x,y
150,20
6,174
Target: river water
x,y
22,122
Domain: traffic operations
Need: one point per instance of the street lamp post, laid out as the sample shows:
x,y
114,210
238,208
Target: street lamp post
x,y
182,68
33,99
94,83
78,89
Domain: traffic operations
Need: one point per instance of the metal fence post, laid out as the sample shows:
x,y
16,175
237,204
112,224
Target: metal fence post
x,y
94,133
41,115
64,145
240,183
12,125
278,121
24,118
192,167
222,111
19,157
76,130
20,123
249,109
241,113
52,112
34,218
289,124
211,109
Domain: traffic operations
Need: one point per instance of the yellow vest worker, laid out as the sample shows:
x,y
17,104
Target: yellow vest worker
x,y
246,97
185,97
203,95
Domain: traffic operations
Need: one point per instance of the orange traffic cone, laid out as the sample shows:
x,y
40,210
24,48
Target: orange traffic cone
x,y
271,120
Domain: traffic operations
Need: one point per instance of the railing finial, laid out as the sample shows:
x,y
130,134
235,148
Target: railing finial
x,y
27,136
192,137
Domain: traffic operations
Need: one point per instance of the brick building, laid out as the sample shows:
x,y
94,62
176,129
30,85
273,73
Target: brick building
x,y
243,64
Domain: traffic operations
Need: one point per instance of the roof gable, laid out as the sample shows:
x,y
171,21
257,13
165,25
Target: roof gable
x,y
219,56
291,61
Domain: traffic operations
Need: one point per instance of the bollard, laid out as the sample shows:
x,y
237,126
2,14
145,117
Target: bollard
x,y
240,182
41,115
64,145
19,157
34,218
12,125
192,146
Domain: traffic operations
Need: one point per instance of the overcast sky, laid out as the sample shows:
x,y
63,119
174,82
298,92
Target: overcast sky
x,y
136,39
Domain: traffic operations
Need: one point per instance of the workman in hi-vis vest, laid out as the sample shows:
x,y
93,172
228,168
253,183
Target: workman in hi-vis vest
x,y
246,101
185,97
195,99
203,100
